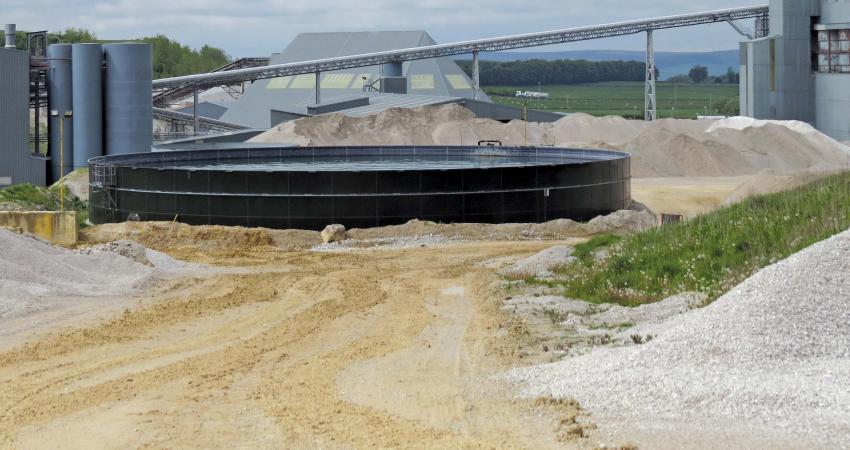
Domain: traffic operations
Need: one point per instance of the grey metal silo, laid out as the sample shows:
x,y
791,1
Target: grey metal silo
x,y
87,66
128,110
60,102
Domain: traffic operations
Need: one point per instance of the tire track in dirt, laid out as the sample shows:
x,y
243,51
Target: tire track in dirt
x,y
254,360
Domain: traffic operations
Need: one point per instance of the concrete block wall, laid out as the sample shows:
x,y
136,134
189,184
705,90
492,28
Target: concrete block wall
x,y
53,226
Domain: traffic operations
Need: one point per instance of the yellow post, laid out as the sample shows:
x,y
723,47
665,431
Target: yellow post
x,y
61,164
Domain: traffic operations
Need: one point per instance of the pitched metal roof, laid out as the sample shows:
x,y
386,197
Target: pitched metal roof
x,y
440,77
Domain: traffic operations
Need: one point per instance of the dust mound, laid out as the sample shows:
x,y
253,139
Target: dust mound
x,y
77,183
772,354
33,268
164,236
663,148
620,222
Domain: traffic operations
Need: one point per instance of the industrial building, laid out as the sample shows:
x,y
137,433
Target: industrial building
x,y
100,98
801,71
436,79
17,163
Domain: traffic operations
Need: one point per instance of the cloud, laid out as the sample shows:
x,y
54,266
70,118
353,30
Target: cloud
x,y
259,27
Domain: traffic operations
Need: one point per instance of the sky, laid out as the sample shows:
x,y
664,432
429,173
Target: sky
x,y
260,27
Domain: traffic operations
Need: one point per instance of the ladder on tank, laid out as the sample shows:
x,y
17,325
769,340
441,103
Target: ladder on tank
x,y
103,178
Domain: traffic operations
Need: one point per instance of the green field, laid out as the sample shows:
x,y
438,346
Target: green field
x,y
684,101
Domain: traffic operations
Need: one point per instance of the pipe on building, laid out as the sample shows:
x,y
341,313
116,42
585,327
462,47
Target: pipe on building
x,y
10,35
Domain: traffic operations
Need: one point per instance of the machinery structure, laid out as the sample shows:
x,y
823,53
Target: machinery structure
x,y
393,58
801,71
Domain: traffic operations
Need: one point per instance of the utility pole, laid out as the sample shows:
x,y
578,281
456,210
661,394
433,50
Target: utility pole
x,y
65,115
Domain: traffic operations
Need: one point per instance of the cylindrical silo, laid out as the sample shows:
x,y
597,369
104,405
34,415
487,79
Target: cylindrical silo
x,y
128,110
87,66
60,102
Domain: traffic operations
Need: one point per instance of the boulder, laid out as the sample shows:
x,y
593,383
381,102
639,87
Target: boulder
x,y
333,233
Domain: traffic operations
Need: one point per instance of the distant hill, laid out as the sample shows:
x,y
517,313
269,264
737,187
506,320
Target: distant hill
x,y
669,63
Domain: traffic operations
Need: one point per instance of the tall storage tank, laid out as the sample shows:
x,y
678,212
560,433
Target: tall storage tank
x,y
128,110
87,66
59,91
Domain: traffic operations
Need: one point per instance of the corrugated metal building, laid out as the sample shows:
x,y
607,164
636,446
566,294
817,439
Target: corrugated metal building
x,y
440,77
16,163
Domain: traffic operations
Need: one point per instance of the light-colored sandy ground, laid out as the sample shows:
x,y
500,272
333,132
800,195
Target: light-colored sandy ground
x,y
357,349
686,196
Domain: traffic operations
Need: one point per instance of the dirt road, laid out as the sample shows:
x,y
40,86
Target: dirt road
x,y
374,348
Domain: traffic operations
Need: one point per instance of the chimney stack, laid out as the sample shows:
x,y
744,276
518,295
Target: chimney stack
x,y
10,35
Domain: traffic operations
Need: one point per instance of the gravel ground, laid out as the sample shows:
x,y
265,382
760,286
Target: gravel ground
x,y
765,366
390,243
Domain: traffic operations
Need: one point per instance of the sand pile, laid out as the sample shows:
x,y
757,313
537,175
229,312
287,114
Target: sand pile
x,y
31,268
769,361
668,147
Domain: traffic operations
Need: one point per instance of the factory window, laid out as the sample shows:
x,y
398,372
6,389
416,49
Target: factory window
x,y
834,51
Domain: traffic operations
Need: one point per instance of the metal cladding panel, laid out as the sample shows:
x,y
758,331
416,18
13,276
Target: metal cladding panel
x,y
554,183
833,105
60,99
14,117
128,111
835,11
87,67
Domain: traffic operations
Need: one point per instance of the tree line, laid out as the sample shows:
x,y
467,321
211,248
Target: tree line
x,y
170,58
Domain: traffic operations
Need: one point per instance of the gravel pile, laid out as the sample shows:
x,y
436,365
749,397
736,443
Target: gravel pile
x,y
767,363
540,264
141,254
31,268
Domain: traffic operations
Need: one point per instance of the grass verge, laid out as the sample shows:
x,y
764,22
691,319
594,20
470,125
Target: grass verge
x,y
36,198
712,253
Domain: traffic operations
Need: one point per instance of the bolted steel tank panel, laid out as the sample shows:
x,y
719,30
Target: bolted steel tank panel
x,y
128,111
87,67
60,100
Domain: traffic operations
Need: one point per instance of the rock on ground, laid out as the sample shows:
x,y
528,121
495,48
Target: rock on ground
x,y
333,233
767,364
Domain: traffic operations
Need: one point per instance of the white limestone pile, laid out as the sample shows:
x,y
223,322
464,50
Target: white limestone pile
x,y
766,364
662,148
31,268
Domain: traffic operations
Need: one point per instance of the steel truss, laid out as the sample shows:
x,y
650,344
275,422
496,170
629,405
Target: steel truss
x,y
233,77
